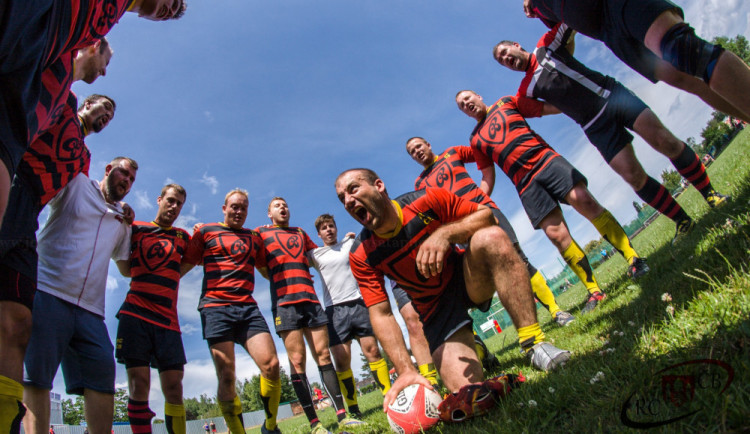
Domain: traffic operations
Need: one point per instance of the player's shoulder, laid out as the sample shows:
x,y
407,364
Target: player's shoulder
x,y
412,196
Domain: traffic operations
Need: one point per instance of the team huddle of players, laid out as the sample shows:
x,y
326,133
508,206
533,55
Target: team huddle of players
x,y
446,247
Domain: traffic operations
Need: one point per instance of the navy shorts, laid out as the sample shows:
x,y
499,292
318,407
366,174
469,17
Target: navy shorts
x,y
549,188
624,31
608,132
298,316
347,321
18,257
232,323
141,343
67,334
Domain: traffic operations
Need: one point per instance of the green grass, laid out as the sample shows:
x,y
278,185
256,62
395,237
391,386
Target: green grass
x,y
632,335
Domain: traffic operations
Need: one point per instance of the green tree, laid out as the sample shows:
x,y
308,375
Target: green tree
x,y
737,45
715,134
121,405
287,390
73,411
671,180
637,207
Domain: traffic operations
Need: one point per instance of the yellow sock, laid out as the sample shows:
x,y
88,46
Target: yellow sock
x,y
11,407
479,348
543,293
429,372
579,263
530,335
270,394
175,418
232,411
348,389
611,230
379,371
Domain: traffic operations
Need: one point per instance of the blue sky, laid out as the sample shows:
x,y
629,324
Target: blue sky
x,y
279,97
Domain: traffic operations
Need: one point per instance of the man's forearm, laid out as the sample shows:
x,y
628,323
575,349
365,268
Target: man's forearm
x,y
390,336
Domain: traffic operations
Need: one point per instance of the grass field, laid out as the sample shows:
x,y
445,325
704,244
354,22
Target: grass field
x,y
693,306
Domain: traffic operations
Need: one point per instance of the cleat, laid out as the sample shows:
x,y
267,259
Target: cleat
x,y
470,400
683,227
593,301
563,319
349,422
503,384
489,361
546,357
319,429
717,200
638,268
264,430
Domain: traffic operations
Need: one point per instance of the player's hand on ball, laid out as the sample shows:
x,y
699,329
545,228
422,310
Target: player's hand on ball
x,y
403,380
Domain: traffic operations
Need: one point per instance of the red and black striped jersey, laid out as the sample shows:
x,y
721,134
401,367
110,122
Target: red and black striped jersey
x,y
557,77
80,23
57,156
504,137
288,269
372,257
56,82
229,258
584,16
155,257
449,173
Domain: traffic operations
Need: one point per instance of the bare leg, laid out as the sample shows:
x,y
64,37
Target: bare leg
x,y
294,343
581,199
139,383
648,126
370,348
263,352
222,354
491,264
417,341
37,405
171,386
629,168
556,229
342,356
15,330
317,339
99,409
457,361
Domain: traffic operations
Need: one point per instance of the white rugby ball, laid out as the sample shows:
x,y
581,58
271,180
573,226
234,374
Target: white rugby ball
x,y
415,409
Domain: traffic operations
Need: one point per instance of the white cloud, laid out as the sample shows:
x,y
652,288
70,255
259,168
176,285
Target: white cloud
x,y
211,182
112,283
142,200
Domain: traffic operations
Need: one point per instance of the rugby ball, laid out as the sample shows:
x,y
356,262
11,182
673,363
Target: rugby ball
x,y
415,409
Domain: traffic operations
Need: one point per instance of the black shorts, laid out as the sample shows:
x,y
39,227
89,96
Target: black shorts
x,y
141,343
624,31
232,323
18,257
401,297
298,316
451,313
347,321
608,132
549,188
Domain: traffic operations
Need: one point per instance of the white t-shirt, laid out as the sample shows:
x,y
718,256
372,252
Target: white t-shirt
x,y
339,285
81,234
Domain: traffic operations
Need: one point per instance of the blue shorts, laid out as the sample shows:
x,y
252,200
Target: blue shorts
x,y
232,323
299,316
67,334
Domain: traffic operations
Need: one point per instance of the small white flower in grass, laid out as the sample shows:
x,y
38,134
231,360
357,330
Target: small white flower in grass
x,y
551,390
598,377
666,297
519,404
670,310
621,333
631,323
532,403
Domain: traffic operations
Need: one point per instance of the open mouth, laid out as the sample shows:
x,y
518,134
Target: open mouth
x,y
361,213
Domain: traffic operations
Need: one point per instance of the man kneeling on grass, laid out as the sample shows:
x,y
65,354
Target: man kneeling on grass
x,y
412,241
